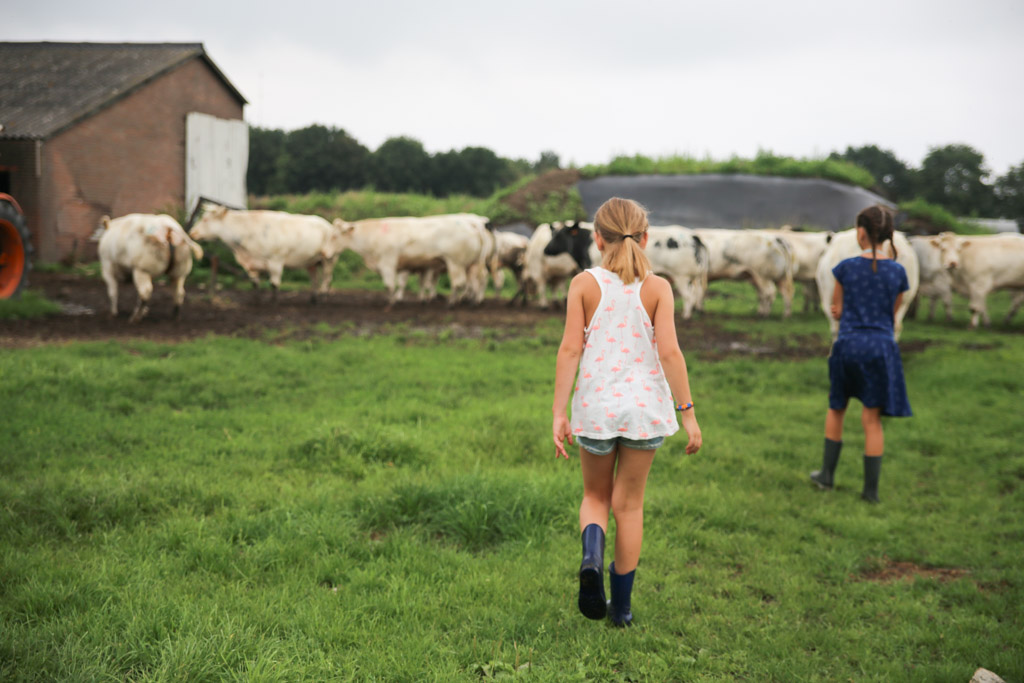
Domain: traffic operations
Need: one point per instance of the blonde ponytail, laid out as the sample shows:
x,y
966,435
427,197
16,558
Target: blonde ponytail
x,y
622,224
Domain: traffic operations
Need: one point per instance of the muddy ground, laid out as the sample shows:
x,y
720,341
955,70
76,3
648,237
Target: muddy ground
x,y
251,314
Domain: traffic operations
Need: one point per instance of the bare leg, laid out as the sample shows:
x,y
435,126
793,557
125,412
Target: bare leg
x,y
628,506
874,439
834,424
598,480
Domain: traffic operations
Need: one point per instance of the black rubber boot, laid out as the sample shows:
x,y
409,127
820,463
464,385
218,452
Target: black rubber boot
x,y
622,588
872,472
824,477
591,600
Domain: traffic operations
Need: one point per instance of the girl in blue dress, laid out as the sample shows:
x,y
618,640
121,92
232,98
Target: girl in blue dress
x,y
865,360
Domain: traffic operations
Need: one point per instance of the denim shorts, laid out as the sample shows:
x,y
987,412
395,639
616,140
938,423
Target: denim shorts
x,y
606,446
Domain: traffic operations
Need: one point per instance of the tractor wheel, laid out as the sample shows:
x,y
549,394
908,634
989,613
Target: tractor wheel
x,y
15,249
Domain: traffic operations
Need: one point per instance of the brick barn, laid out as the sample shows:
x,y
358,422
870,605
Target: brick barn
x,y
93,129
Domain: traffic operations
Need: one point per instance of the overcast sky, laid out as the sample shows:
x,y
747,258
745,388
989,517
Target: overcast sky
x,y
591,80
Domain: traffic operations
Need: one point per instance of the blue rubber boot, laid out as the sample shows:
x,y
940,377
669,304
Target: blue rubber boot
x,y
825,477
622,588
872,472
591,601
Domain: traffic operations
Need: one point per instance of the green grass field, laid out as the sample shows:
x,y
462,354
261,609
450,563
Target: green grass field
x,y
389,508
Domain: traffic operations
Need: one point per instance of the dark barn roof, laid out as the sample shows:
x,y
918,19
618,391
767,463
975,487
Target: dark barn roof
x,y
46,87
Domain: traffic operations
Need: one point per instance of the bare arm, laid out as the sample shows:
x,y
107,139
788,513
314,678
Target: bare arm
x,y
567,364
837,301
672,360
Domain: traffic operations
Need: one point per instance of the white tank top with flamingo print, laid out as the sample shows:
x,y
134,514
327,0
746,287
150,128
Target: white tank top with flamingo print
x,y
621,388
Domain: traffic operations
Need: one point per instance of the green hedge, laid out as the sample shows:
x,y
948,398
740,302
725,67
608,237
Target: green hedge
x,y
765,163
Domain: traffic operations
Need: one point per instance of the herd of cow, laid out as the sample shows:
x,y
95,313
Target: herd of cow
x,y
139,247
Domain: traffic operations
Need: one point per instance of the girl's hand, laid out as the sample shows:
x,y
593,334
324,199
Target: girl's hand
x,y
560,431
693,431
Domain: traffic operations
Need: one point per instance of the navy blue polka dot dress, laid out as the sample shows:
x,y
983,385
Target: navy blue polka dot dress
x,y
865,360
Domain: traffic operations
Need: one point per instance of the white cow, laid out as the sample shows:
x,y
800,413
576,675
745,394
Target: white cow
x,y
843,246
672,250
807,248
270,241
457,243
936,283
541,272
511,253
680,255
764,259
980,264
476,275
140,247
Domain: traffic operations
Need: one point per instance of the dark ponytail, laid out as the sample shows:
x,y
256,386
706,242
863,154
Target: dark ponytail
x,y
878,223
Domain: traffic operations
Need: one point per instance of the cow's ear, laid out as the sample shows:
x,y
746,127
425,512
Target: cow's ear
x,y
574,232
934,241
965,243
220,212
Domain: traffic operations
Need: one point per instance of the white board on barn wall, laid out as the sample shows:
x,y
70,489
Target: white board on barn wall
x,y
216,159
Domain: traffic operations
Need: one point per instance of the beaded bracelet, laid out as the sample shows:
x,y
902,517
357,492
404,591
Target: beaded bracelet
x,y
681,408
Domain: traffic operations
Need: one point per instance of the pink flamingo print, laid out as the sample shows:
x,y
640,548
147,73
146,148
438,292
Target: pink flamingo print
x,y
636,335
587,375
655,422
627,290
606,280
647,387
618,394
608,413
616,368
622,325
600,388
610,339
577,430
639,403
643,434
595,426
630,379
624,429
653,372
600,358
625,349
585,404
610,308
640,358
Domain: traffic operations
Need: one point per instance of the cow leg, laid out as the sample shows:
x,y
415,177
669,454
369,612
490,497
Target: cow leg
x,y
274,273
947,301
179,294
327,274
144,286
788,290
401,282
389,274
765,294
460,283
314,281
811,296
1014,305
428,284
110,277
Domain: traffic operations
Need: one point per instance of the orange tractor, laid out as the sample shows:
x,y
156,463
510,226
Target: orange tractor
x,y
15,248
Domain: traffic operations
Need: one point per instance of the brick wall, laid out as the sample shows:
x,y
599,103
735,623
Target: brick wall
x,y
128,158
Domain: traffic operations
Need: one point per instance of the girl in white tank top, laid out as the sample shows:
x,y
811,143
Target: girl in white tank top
x,y
620,337
621,389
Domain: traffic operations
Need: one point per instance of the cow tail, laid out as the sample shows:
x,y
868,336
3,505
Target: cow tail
x,y
170,251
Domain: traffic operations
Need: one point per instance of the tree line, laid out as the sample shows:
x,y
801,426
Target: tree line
x,y
323,158
954,177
